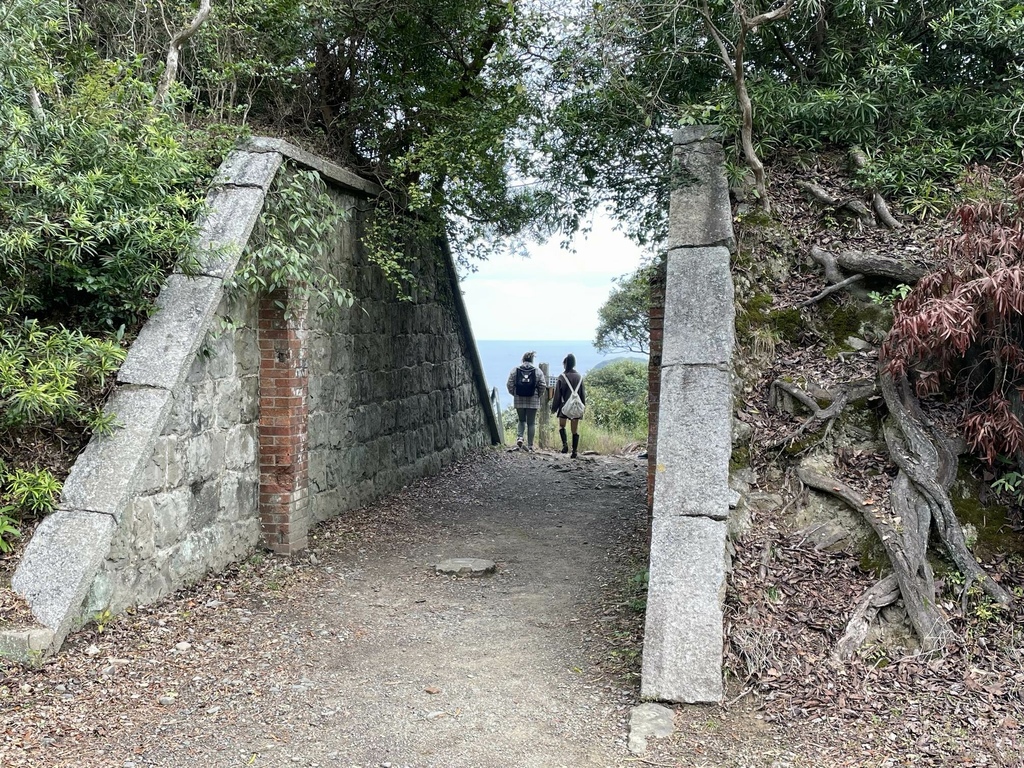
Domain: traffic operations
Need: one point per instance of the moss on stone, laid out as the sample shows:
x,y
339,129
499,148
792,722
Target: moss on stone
x,y
740,458
995,535
787,323
842,322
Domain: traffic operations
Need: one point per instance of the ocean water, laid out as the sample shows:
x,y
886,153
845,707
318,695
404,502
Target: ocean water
x,y
500,357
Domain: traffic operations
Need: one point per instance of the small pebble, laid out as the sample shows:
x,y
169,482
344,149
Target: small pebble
x,y
165,701
92,650
183,646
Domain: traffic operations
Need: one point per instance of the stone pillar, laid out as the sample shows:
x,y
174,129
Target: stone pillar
x,y
683,638
283,427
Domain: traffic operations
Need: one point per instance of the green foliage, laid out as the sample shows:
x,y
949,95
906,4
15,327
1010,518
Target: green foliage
x,y
288,252
624,323
27,493
617,396
53,376
426,97
891,298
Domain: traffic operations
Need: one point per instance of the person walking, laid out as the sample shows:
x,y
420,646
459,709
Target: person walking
x,y
525,383
569,403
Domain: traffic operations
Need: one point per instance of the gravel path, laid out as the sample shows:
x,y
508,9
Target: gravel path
x,y
357,654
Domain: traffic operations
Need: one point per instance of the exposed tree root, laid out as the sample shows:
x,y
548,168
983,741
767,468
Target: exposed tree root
x,y
830,290
907,555
884,592
865,263
928,461
827,415
919,495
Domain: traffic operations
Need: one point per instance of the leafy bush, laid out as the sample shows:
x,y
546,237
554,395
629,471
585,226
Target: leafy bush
x,y
617,397
51,376
963,323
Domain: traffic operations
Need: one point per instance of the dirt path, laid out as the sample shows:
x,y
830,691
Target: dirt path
x,y
361,656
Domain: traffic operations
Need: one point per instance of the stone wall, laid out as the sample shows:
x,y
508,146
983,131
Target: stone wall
x,y
692,417
238,433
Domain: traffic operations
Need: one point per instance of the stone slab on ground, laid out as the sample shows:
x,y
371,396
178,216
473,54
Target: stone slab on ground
x,y
105,474
647,720
25,645
59,564
682,658
699,305
465,566
694,442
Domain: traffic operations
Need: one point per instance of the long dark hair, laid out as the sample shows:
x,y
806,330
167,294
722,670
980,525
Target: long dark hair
x,y
569,362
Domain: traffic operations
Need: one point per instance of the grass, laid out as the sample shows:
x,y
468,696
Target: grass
x,y
592,438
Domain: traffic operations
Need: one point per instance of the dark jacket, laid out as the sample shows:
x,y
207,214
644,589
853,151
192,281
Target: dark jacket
x,y
563,390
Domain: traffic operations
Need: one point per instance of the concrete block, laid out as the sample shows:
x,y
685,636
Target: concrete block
x,y
699,308
111,466
225,229
26,645
700,213
163,353
59,564
694,442
326,168
682,659
248,169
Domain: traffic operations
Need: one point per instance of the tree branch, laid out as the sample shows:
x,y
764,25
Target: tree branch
x,y
174,53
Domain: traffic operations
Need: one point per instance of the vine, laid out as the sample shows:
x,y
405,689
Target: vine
x,y
291,245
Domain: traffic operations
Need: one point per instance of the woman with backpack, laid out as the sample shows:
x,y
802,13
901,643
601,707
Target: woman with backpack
x,y
569,402
526,382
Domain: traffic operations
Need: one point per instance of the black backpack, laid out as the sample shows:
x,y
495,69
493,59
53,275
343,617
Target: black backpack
x,y
526,381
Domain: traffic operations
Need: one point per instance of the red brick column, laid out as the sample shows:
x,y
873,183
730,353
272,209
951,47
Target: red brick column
x,y
283,428
657,316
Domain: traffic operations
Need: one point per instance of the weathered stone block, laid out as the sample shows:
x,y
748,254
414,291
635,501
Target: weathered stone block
x,y
59,564
682,658
700,210
166,348
27,645
694,442
109,468
224,231
698,307
248,169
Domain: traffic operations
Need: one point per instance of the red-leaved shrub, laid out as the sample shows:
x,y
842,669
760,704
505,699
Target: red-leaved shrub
x,y
962,326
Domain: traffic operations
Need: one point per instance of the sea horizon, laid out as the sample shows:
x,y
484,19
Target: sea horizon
x,y
499,356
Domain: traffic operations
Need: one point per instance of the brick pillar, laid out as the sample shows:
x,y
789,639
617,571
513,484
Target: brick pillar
x,y
283,428
657,317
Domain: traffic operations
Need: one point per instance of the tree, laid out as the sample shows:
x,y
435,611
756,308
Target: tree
x,y
735,64
624,323
617,396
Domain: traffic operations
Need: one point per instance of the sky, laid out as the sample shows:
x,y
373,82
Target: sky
x,y
552,295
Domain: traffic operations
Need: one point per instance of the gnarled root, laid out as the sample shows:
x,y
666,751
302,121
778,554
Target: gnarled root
x,y
928,462
828,415
906,554
884,592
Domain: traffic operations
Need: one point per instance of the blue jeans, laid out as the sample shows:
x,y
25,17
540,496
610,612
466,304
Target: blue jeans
x,y
527,422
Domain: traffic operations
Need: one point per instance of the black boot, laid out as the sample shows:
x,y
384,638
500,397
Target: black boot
x,y
565,445
575,445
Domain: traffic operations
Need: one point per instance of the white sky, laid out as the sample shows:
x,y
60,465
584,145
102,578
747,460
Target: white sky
x,y
552,295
